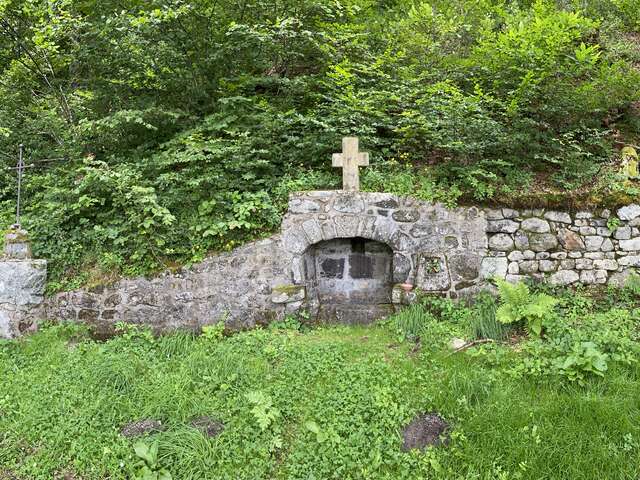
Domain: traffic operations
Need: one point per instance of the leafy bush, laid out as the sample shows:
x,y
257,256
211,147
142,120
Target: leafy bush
x,y
583,344
151,148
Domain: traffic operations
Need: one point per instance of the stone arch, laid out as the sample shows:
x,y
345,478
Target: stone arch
x,y
299,237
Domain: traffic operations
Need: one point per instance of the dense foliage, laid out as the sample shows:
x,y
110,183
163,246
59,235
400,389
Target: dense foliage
x,y
161,130
331,403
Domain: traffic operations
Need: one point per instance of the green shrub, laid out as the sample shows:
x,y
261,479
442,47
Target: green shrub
x,y
160,149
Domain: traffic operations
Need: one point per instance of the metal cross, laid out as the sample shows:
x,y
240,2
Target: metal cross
x,y
350,159
20,169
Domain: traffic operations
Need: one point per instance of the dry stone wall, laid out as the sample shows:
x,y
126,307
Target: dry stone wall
x,y
236,287
384,240
563,248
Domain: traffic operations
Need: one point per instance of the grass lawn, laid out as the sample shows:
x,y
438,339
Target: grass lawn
x,y
325,403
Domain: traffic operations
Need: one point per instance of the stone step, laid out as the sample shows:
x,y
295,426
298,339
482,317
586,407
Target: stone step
x,y
353,314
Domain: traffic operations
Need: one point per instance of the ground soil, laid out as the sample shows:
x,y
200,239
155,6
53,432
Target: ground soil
x,y
425,430
141,427
211,427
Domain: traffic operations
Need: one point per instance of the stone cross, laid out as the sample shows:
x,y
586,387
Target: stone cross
x,y
350,159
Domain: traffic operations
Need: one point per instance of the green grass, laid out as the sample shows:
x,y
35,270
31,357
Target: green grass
x,y
64,398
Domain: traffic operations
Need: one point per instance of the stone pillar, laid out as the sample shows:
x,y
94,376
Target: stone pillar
x,y
22,283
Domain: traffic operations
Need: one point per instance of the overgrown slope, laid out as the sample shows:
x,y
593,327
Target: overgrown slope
x,y
162,130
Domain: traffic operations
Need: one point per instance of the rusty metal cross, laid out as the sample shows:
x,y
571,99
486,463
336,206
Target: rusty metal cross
x,y
20,169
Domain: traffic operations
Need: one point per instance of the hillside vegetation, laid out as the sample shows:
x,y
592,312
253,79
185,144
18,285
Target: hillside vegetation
x,y
161,130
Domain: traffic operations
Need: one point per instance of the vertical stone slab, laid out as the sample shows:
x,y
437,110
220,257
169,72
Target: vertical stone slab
x,y
22,284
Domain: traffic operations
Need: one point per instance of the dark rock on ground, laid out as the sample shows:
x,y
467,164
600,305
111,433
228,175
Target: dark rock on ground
x,y
425,430
208,425
141,427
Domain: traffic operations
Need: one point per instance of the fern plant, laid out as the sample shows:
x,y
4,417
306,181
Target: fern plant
x,y
518,304
263,409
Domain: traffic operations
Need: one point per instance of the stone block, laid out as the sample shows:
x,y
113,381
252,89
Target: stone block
x,y
401,242
584,264
406,216
629,245
401,268
493,267
514,268
348,203
294,241
629,212
17,245
547,266
622,233
629,261
589,277
312,230
570,240
502,226
464,266
303,205
564,277
567,264
528,266
516,278
432,273
22,282
501,242
494,214
288,293
587,231
366,226
605,265
619,279
558,217
593,243
346,226
521,240
535,225
400,296
539,242
515,256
